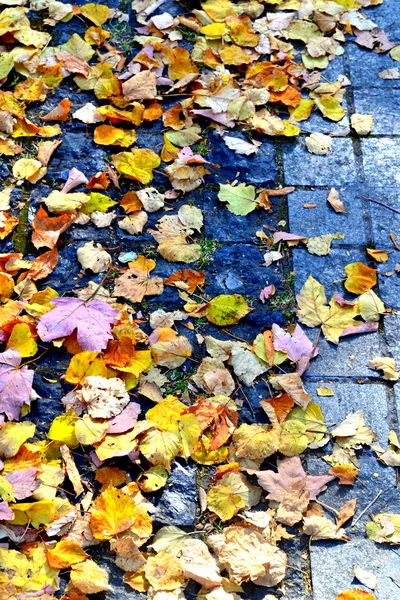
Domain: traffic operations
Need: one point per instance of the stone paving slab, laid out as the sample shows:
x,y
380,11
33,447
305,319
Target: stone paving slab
x,y
323,219
365,66
381,104
332,568
381,158
303,168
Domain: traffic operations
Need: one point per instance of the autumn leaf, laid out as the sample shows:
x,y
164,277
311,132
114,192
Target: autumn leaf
x,y
186,280
92,320
21,339
65,554
47,230
136,283
177,249
137,164
360,278
385,364
113,512
227,309
15,384
240,198
384,528
88,578
164,572
231,494
355,594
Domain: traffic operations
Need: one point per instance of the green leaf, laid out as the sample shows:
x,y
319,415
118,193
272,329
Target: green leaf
x,y
240,198
227,310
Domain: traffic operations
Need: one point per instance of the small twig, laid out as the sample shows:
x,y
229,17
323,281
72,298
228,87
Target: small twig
x,y
243,392
335,512
234,336
99,286
366,508
381,203
297,569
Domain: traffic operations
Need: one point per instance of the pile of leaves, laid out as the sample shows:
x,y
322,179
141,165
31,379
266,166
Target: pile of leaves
x,y
251,64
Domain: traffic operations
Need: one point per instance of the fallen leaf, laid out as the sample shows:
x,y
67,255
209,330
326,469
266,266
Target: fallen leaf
x,y
318,143
334,200
385,364
365,577
226,310
362,124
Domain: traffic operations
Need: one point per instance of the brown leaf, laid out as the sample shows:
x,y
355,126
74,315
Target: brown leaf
x,y
47,230
334,200
43,265
346,512
59,112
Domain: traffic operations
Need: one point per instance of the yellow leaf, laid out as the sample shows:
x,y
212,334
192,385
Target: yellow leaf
x,y
97,13
113,512
330,107
83,365
177,249
385,364
89,578
13,435
371,306
166,412
153,479
171,353
187,430
59,203
256,441
89,431
360,278
141,361
137,164
76,45
214,30
21,339
164,572
226,310
36,513
106,135
29,169
62,429
231,494
355,594
378,255
65,553
218,10
159,447
302,111
29,572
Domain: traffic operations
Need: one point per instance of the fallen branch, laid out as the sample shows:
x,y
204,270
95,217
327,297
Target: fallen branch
x,y
380,203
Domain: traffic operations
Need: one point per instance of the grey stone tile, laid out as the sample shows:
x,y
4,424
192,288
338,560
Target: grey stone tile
x,y
349,358
332,568
237,269
384,107
381,158
392,337
220,224
384,221
386,16
389,282
177,503
350,397
365,65
323,219
303,168
328,270
373,478
259,168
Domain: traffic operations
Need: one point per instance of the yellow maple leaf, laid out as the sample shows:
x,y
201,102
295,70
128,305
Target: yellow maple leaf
x,y
137,164
65,553
112,513
21,339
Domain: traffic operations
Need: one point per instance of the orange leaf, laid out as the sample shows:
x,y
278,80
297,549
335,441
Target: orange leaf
x,y
98,181
360,278
186,280
43,265
59,112
47,230
355,594
378,255
345,473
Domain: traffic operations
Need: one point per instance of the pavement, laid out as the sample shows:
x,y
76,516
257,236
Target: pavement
x,y
358,167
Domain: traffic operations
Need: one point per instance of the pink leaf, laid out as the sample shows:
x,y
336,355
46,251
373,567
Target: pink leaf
x,y
290,474
75,178
92,320
6,514
290,238
23,482
125,420
15,384
266,293
362,328
298,347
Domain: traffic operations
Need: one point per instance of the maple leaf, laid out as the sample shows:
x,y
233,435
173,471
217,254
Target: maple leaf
x,y
92,320
15,383
298,347
113,512
291,477
136,283
47,230
334,319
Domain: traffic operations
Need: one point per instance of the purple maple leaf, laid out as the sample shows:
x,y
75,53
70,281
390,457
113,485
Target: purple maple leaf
x,y
92,320
6,514
15,384
298,347
23,482
290,474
